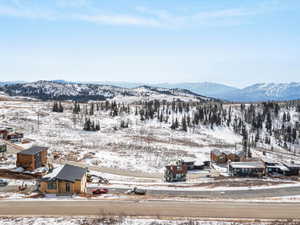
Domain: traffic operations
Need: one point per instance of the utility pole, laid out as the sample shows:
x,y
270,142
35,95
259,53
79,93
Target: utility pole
x,y
38,120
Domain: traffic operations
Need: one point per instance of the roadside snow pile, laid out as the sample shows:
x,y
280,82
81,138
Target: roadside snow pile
x,y
124,221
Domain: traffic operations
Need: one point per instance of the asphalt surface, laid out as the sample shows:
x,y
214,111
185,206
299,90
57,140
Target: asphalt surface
x,y
232,194
228,194
151,208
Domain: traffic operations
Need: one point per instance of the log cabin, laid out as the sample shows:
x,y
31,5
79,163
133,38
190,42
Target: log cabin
x,y
67,179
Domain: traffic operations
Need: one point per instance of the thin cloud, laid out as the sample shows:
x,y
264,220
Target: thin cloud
x,y
119,20
73,3
141,16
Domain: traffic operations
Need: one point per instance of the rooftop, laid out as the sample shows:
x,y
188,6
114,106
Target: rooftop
x,y
188,159
252,164
33,150
280,166
216,152
292,165
67,173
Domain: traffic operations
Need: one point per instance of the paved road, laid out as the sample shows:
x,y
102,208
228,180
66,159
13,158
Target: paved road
x,y
233,194
151,208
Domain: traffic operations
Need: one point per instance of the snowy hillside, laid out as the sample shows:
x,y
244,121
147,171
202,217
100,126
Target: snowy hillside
x,y
145,136
265,92
76,91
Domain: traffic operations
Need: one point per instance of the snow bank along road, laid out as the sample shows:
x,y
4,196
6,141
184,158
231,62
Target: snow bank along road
x,y
151,208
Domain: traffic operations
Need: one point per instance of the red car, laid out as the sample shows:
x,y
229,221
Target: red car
x,y
100,191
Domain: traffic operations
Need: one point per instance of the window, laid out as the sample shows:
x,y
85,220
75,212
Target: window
x,y
51,185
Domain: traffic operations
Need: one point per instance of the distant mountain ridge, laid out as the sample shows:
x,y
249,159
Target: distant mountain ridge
x,y
266,92
63,90
252,93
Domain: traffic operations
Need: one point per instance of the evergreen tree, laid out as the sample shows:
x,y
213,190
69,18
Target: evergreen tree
x,y
60,107
92,109
183,123
55,107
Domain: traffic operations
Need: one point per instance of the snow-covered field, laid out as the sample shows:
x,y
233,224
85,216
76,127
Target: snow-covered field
x,y
144,146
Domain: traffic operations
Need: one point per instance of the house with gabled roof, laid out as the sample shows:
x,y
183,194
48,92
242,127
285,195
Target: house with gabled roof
x,y
32,158
67,179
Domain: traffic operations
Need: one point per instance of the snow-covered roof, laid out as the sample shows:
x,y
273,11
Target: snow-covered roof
x,y
280,166
188,159
292,165
33,150
67,172
53,174
251,164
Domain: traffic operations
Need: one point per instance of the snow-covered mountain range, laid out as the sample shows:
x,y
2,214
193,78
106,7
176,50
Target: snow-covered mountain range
x,y
78,91
252,93
100,90
265,92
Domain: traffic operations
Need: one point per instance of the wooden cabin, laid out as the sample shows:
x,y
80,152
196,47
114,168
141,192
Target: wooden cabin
x,y
217,156
233,157
32,158
246,169
67,179
176,172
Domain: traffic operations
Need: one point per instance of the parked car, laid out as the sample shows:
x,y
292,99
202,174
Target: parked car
x,y
3,183
136,191
100,191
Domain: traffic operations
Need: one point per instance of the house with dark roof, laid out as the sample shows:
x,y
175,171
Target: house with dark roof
x,y
32,158
246,169
67,179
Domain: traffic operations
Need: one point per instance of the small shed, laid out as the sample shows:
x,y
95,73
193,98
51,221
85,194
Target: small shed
x,y
246,169
67,179
32,158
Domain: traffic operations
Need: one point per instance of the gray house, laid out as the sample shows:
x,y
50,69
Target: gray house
x,y
246,169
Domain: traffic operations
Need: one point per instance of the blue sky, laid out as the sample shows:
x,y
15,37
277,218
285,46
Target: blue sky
x,y
236,42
